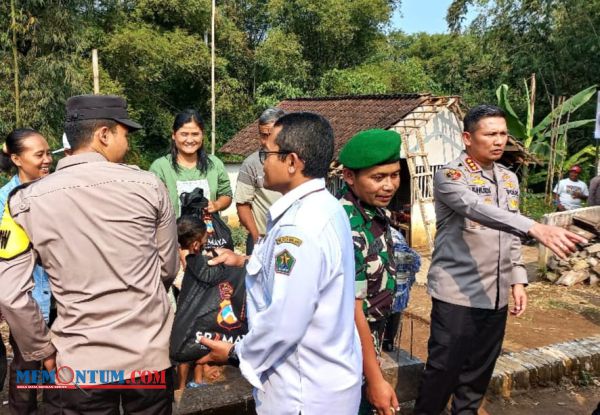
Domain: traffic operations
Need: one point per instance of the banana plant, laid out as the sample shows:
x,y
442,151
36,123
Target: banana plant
x,y
542,131
536,138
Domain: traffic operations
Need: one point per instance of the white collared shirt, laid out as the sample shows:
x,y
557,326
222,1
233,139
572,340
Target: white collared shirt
x,y
303,353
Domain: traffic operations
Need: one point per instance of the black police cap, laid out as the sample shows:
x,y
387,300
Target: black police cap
x,y
94,107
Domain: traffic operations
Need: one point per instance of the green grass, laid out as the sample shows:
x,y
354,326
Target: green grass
x,y
533,205
239,235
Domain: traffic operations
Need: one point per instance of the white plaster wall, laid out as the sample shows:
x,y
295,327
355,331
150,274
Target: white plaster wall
x,y
442,136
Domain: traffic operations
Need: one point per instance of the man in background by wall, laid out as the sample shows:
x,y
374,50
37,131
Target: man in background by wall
x,y
570,192
252,200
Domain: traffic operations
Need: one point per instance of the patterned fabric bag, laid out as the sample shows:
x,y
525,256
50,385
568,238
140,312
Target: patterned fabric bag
x,y
408,263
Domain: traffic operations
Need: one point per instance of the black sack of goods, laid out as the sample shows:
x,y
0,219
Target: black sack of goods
x,y
212,304
219,234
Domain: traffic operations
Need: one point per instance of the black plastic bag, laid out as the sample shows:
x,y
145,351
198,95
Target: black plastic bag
x,y
219,234
212,304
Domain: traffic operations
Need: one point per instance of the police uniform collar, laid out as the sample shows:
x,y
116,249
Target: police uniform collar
x,y
280,206
88,157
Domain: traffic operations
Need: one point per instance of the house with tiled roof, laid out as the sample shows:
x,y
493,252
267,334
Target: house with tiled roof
x,y
431,129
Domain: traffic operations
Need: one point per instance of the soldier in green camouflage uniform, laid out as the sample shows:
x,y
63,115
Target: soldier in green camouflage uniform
x,y
372,175
373,254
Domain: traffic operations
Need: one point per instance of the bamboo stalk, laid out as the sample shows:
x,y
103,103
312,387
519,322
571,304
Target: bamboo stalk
x,y
95,71
565,135
532,101
554,137
15,63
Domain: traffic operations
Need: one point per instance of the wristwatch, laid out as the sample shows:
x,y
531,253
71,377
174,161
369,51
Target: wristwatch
x,y
232,357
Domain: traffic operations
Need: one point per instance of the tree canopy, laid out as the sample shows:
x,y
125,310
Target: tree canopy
x,y
156,53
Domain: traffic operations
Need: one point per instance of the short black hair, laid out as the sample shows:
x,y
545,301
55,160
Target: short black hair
x,y
310,136
80,133
479,112
190,228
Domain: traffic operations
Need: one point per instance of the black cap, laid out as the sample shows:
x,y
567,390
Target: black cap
x,y
94,107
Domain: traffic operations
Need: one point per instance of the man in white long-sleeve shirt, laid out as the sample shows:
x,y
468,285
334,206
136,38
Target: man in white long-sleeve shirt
x,y
302,353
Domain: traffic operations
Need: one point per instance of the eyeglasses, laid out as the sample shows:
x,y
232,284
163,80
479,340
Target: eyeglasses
x,y
263,154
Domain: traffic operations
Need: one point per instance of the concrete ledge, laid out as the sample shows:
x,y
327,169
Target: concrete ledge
x,y
514,372
234,396
231,397
545,365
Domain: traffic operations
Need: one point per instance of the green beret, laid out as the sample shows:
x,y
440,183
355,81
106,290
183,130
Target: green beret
x,y
370,148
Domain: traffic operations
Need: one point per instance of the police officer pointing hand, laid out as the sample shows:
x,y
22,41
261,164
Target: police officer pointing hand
x,y
475,265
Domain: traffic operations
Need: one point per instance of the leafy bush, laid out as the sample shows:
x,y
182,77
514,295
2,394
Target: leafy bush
x,y
239,235
533,205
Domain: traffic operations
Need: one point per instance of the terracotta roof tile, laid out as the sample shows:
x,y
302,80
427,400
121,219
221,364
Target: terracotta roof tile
x,y
347,115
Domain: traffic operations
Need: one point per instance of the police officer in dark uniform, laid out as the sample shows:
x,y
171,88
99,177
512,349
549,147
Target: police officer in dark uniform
x,y
476,265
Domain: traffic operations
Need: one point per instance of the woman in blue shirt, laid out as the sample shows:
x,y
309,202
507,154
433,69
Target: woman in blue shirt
x,y
25,151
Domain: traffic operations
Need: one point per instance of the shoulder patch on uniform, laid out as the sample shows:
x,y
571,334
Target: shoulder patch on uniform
x,y
288,240
284,262
453,174
471,165
13,239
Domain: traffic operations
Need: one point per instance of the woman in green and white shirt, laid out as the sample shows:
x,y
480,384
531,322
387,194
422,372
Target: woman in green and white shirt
x,y
189,166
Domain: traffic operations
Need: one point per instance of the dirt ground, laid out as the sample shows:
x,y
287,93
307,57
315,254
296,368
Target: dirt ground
x,y
554,314
561,400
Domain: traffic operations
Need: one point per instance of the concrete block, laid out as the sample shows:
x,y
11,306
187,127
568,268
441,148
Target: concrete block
x,y
520,373
231,397
556,353
544,365
403,373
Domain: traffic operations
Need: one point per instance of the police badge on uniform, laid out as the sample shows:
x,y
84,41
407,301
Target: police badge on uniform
x,y
453,174
478,180
284,262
